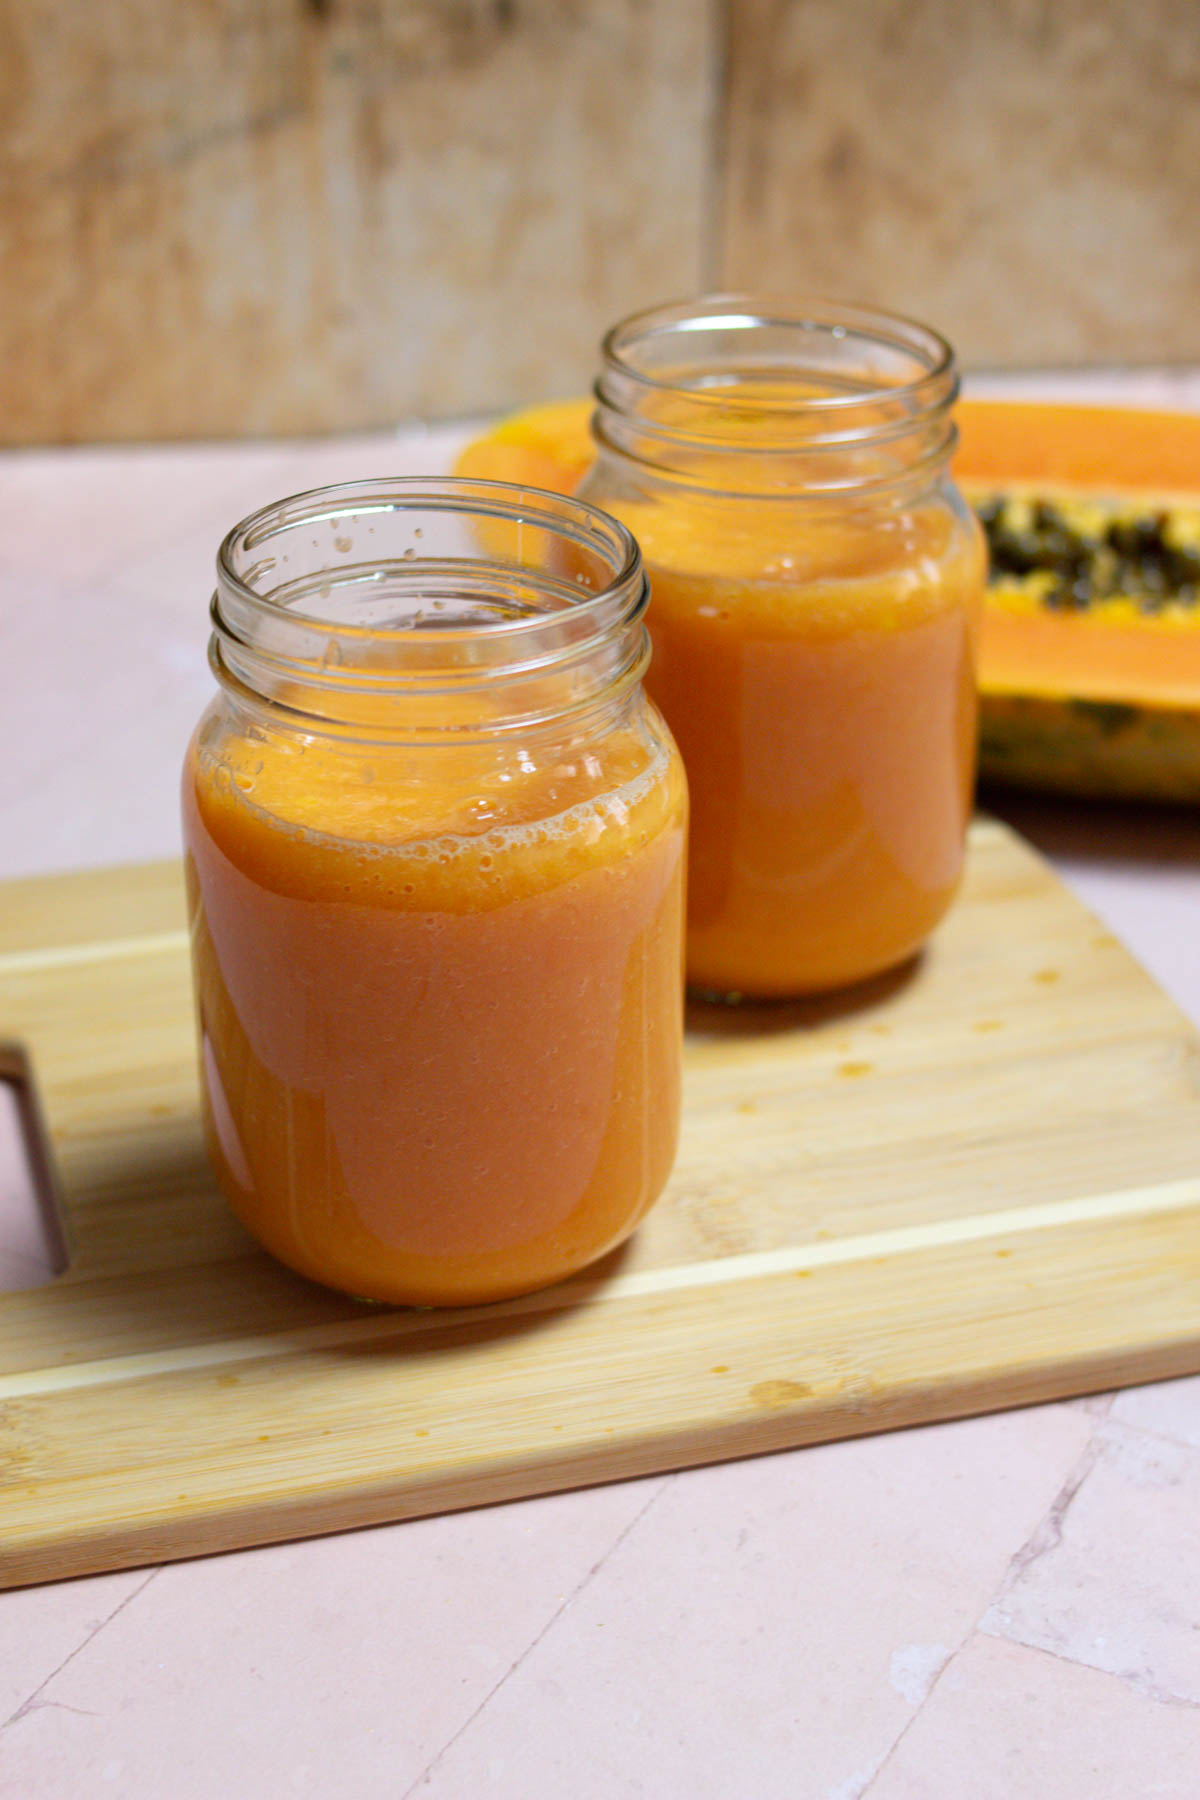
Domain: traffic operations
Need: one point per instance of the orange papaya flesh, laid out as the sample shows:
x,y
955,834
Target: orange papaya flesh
x,y
1090,654
1096,595
547,446
1114,449
1108,448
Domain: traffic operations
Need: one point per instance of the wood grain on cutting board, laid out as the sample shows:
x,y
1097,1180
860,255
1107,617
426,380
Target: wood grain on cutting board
x,y
973,1185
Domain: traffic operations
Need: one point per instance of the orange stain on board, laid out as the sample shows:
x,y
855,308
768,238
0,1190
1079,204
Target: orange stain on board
x,y
773,1396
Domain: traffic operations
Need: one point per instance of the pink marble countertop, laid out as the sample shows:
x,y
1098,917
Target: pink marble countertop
x,y
1003,1608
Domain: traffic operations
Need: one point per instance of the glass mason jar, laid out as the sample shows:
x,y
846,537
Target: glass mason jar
x,y
816,582
435,855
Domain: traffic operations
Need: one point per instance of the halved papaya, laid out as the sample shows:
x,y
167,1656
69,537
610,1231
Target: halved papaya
x,y
1090,653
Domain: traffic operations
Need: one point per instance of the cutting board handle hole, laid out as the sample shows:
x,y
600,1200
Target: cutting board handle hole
x,y
33,1240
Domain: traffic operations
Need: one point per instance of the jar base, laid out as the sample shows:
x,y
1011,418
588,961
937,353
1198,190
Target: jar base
x,y
848,993
471,1296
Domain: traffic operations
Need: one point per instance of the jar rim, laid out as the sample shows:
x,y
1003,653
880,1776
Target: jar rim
x,y
423,617
933,382
502,502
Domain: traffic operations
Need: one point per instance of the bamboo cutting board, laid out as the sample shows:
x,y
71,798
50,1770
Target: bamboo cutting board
x,y
978,1185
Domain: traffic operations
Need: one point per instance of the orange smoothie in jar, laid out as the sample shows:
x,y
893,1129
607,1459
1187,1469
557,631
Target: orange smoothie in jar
x,y
816,587
823,698
438,966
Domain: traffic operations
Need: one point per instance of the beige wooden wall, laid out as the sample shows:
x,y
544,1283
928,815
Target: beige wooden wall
x,y
246,216
1023,173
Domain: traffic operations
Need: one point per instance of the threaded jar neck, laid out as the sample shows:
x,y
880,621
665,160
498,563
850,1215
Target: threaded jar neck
x,y
412,609
805,398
